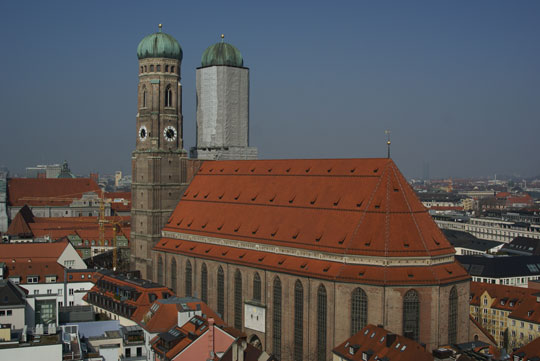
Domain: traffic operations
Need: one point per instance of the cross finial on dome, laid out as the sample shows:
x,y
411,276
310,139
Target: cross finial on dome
x,y
160,26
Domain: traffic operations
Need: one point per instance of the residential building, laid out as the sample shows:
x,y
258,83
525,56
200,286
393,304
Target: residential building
x,y
502,270
12,305
510,314
522,246
124,297
529,352
61,197
376,343
466,244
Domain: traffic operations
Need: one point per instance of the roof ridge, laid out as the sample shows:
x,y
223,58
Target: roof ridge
x,y
414,219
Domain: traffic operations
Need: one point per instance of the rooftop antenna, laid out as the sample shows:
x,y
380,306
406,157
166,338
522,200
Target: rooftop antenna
x,y
160,26
387,132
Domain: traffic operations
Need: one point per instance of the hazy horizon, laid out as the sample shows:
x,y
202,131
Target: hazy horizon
x,y
457,83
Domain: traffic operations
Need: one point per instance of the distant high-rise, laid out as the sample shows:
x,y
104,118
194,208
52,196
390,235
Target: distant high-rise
x,y
425,171
223,105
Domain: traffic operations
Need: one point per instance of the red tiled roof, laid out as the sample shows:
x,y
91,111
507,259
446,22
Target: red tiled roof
x,y
482,329
22,268
122,203
435,274
48,191
528,352
166,315
143,301
34,251
340,206
345,206
375,339
501,294
19,227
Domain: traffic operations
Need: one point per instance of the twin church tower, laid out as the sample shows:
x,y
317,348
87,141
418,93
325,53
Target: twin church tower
x,y
161,169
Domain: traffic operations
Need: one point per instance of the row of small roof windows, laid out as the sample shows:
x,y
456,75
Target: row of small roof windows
x,y
150,68
287,170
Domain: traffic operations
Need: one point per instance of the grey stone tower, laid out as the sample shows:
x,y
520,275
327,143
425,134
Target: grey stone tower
x,y
159,160
223,105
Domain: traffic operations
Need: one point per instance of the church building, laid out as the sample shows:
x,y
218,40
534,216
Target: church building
x,y
298,254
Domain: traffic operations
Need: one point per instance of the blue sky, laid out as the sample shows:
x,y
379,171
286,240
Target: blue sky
x,y
457,82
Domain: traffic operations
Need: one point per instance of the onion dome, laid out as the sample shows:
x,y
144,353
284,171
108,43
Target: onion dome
x,y
159,45
222,54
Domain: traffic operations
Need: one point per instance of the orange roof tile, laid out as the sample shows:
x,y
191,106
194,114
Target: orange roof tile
x,y
529,352
34,251
382,345
48,191
346,206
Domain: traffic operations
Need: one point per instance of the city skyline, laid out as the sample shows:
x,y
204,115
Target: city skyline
x,y
455,83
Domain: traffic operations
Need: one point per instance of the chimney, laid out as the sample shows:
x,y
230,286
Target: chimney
x,y
211,338
390,339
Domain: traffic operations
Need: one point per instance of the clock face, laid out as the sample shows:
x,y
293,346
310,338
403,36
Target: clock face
x,y
143,133
169,133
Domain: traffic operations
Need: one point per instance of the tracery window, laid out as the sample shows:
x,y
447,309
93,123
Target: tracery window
x,y
411,315
168,96
188,279
276,332
257,287
204,283
160,270
144,97
221,292
298,321
452,316
238,300
358,310
321,324
173,275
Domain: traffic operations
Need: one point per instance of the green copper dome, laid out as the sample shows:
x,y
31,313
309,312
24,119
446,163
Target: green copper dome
x,y
159,45
222,54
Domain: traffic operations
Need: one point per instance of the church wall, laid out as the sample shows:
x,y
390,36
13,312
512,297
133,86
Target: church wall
x,y
433,313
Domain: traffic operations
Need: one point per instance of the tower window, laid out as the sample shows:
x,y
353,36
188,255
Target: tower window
x,y
411,315
173,275
204,284
321,324
158,67
277,319
168,96
172,69
151,68
238,300
145,69
358,310
257,287
188,279
160,270
142,69
144,98
166,68
221,292
298,321
452,316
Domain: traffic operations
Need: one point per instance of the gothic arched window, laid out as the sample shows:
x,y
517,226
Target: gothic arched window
x,y
276,332
257,287
168,96
188,279
173,275
221,292
238,300
452,316
411,315
160,270
321,324
298,321
358,310
204,283
144,97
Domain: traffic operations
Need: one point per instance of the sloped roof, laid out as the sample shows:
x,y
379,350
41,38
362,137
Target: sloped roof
x,y
381,344
11,294
501,295
20,227
166,315
48,191
343,206
529,352
34,251
482,329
